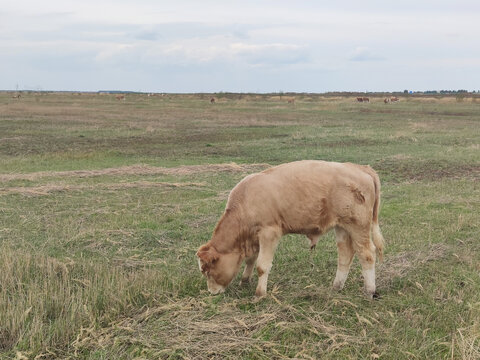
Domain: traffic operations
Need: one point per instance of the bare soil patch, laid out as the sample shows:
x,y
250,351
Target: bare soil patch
x,y
405,169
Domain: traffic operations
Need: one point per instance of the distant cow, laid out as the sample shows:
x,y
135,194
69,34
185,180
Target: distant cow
x,y
386,100
212,101
363,99
120,97
304,197
17,96
394,98
291,101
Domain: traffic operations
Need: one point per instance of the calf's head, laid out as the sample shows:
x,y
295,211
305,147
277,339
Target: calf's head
x,y
218,268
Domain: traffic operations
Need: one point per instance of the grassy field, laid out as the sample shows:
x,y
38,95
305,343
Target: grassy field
x,y
103,204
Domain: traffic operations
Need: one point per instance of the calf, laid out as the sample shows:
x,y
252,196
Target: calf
x,y
304,197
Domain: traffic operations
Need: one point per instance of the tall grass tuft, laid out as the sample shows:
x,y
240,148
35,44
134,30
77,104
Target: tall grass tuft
x,y
45,303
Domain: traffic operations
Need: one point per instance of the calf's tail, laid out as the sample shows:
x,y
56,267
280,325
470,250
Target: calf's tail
x,y
377,236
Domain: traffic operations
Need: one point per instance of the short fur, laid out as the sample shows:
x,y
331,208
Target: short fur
x,y
307,197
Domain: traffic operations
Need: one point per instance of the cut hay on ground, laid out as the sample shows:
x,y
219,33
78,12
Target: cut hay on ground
x,y
225,334
139,169
48,189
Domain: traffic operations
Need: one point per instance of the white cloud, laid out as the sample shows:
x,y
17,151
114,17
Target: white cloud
x,y
311,39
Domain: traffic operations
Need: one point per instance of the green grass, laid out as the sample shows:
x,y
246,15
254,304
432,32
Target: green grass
x,y
104,203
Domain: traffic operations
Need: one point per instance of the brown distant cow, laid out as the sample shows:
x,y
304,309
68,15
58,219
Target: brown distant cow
x,y
120,97
17,96
360,99
291,101
304,197
363,99
394,98
212,101
386,100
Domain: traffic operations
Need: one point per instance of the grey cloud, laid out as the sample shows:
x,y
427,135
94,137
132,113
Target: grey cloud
x,y
364,54
264,54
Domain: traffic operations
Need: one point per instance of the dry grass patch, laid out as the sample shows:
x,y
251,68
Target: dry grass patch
x,y
400,265
139,169
52,188
198,329
466,342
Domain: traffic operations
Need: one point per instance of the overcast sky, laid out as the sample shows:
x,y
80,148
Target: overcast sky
x,y
240,46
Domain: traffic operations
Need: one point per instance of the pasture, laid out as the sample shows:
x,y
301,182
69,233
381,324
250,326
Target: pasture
x,y
103,204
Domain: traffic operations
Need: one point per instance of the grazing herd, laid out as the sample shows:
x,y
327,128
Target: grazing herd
x,y
391,99
291,100
363,99
386,100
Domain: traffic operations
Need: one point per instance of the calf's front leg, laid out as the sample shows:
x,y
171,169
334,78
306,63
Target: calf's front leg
x,y
268,239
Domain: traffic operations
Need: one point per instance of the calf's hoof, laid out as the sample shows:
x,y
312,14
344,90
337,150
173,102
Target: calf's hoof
x,y
372,295
338,285
245,281
260,293
258,298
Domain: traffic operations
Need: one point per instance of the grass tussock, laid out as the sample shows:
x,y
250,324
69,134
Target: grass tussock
x,y
45,303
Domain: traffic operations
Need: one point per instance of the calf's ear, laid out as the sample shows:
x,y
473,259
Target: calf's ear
x,y
208,254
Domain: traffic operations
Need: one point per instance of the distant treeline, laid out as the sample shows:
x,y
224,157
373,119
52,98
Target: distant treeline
x,y
448,92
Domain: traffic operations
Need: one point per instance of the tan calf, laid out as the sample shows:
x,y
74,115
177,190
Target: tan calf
x,y
305,197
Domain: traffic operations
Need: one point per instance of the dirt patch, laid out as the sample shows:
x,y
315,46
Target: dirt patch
x,y
48,189
350,142
139,169
407,170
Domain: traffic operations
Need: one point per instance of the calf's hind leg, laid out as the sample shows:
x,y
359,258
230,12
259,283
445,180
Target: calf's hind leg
x,y
268,239
365,250
247,273
345,257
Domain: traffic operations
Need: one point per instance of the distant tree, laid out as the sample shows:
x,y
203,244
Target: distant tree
x,y
405,91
